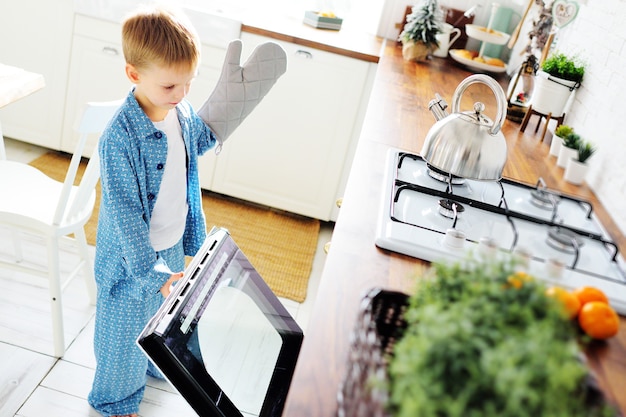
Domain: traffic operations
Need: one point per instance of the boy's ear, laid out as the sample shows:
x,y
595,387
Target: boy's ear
x,y
132,73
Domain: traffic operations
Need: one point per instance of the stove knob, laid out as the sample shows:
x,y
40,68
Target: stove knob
x,y
487,247
454,239
555,268
523,256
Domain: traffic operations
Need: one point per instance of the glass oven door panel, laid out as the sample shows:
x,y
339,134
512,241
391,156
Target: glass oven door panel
x,y
222,337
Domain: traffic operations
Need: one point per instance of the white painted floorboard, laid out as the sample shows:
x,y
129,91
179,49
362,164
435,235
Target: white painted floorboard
x,y
21,371
35,384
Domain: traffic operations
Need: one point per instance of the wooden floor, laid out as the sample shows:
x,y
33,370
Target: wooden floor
x,y
35,384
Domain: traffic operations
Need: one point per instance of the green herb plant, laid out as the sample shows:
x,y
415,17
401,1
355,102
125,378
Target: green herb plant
x,y
565,67
585,150
422,24
563,130
484,340
572,141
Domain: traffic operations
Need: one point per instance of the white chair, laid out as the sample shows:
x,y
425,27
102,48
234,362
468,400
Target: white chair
x,y
33,203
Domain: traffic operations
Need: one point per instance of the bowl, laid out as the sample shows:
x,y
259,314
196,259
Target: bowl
x,y
461,58
486,35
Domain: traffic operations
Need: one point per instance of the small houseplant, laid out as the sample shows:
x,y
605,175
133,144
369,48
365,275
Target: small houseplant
x,y
419,36
585,151
577,167
560,133
559,76
564,67
569,149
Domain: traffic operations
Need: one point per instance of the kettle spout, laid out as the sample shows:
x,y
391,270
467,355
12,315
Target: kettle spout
x,y
438,107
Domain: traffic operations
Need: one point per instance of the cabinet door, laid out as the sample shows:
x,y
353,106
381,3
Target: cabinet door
x,y
36,36
290,152
96,74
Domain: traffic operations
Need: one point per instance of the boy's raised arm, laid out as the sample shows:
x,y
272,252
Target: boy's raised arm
x,y
240,88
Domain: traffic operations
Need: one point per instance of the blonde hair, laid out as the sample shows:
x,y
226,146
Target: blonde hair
x,y
155,35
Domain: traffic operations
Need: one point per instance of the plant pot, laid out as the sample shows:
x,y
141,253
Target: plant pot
x,y
565,154
575,171
551,94
555,145
415,51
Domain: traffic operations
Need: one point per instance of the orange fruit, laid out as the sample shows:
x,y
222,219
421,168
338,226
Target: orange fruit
x,y
518,279
587,294
571,304
598,320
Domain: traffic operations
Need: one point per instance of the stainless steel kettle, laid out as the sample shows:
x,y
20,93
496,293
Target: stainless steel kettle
x,y
467,144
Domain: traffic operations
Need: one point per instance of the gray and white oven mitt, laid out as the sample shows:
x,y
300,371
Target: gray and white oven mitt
x,y
240,88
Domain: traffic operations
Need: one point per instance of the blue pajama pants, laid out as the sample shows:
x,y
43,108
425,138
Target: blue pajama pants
x,y
122,368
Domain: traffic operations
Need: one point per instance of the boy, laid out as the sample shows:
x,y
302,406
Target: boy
x,y
151,209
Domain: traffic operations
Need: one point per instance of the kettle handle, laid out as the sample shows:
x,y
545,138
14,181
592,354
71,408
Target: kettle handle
x,y
497,91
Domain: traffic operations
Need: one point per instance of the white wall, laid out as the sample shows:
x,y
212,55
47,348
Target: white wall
x,y
598,112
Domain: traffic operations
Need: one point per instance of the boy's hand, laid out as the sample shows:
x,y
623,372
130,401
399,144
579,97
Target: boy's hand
x,y
241,88
167,287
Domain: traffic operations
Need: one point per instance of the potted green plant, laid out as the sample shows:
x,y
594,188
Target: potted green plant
x,y
564,67
419,36
560,133
576,168
569,149
558,78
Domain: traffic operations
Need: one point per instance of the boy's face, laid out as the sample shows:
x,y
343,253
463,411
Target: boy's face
x,y
159,89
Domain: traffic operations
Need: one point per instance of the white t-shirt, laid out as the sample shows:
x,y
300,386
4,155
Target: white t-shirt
x,y
167,224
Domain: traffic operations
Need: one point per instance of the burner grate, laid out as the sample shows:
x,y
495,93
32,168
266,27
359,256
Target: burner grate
x,y
544,199
564,240
450,208
443,176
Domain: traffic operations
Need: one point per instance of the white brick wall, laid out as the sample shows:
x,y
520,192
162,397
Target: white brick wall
x,y
598,113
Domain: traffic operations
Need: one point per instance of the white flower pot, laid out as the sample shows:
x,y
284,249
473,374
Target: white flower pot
x,y
555,145
575,171
565,154
551,94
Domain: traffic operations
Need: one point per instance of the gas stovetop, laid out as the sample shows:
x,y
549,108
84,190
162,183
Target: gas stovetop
x,y
433,216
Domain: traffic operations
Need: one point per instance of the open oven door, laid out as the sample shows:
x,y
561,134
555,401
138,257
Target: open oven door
x,y
222,338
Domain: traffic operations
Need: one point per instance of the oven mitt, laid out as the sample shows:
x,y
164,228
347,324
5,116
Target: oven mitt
x,y
241,88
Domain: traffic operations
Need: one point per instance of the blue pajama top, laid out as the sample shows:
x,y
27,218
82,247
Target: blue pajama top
x,y
132,156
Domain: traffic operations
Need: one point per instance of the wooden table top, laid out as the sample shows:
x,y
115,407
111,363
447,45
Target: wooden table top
x,y
398,117
16,83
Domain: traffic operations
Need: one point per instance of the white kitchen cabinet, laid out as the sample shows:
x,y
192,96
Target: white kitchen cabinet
x,y
36,36
97,74
294,150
